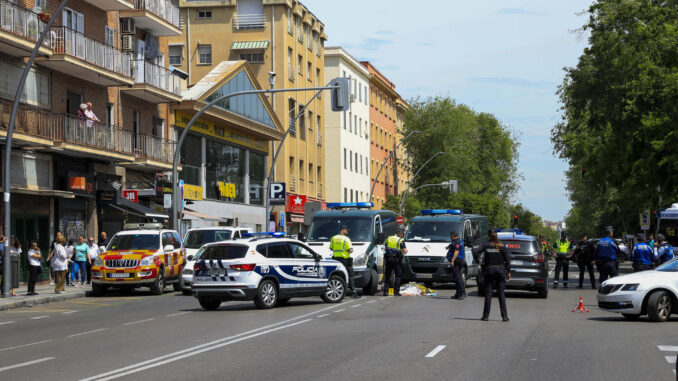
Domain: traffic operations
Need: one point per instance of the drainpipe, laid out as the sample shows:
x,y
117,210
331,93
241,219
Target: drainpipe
x,y
188,43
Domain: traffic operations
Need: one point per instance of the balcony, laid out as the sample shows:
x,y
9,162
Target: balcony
x,y
149,149
83,57
112,5
247,22
319,139
319,190
19,31
292,185
160,17
154,83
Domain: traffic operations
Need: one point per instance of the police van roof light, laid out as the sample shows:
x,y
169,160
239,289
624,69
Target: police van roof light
x,y
514,231
347,205
432,212
143,226
264,234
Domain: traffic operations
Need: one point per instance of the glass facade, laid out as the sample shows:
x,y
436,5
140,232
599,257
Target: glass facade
x,y
257,176
250,106
191,160
225,167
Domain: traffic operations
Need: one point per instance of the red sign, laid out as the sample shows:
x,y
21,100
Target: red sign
x,y
400,220
131,195
295,203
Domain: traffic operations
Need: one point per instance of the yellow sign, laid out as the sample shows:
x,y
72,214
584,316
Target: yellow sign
x,y
192,192
226,190
209,128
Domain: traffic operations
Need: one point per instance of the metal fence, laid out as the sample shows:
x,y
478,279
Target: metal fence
x,y
159,77
73,43
21,21
165,9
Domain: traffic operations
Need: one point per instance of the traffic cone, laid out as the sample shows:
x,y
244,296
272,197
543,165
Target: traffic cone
x,y
581,307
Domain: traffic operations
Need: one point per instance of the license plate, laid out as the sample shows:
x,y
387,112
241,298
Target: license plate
x,y
217,272
425,276
119,275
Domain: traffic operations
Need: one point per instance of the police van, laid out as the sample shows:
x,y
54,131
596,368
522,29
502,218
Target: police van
x,y
367,230
427,238
266,268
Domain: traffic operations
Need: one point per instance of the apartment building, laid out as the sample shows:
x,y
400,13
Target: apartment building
x,y
71,171
273,36
348,131
403,166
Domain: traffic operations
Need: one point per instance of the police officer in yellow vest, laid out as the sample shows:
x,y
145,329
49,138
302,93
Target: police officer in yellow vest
x,y
563,254
342,248
393,256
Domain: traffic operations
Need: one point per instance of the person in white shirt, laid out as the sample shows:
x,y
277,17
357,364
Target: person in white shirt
x,y
60,265
93,254
34,267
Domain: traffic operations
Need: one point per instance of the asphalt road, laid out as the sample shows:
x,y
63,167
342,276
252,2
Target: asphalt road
x,y
408,338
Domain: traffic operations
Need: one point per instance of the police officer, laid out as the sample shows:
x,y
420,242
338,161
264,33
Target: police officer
x,y
455,259
393,256
642,255
562,247
606,256
583,253
496,266
342,248
665,251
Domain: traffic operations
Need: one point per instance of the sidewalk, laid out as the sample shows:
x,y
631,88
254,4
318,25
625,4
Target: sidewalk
x,y
46,295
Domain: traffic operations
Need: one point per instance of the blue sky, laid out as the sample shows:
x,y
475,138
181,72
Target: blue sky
x,y
501,57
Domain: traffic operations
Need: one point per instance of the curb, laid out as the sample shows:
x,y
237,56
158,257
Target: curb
x,y
42,300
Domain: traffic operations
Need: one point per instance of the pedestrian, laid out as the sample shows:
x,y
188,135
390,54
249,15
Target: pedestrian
x,y
90,116
81,112
562,247
81,256
393,256
271,223
73,269
49,258
651,241
342,248
93,254
583,254
642,255
496,267
15,251
34,267
665,251
606,256
455,259
103,240
60,265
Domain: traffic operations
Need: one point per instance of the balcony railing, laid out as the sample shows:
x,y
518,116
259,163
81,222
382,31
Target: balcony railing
x,y
21,22
29,120
157,76
293,184
76,44
93,134
319,190
155,148
164,9
243,22
319,139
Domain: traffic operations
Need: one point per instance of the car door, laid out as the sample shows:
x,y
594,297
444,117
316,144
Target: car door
x,y
167,239
280,264
307,267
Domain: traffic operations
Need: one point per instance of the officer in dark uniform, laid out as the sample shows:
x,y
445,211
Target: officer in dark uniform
x,y
642,255
606,256
393,256
584,253
496,265
455,260
665,251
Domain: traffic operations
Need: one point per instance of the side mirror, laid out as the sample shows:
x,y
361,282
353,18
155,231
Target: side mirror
x,y
102,249
189,258
168,248
380,238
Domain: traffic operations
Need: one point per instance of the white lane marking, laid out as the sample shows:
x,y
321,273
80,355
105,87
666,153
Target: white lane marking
x,y
341,310
69,312
25,345
26,363
323,315
434,352
371,301
193,352
85,333
39,317
138,321
213,342
668,348
7,322
384,298
670,359
179,313
357,305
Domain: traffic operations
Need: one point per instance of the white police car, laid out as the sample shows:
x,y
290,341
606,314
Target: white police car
x,y
265,269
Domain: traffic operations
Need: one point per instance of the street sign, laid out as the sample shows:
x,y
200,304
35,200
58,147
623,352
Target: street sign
x,y
400,220
167,201
645,220
277,195
131,195
282,219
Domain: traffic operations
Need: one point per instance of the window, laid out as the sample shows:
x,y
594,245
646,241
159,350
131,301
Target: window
x,y
350,159
292,107
361,164
309,71
355,123
302,124
73,20
290,26
356,162
252,57
360,92
345,195
204,54
350,125
345,167
310,122
310,173
110,114
175,53
225,172
300,60
301,170
204,14
318,125
289,61
300,252
275,250
109,38
317,77
351,195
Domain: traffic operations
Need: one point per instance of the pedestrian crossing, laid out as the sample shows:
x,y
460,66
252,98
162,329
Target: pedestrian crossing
x,y
670,353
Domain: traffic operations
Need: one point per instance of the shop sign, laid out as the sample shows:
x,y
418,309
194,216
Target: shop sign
x,y
192,192
209,128
107,196
295,203
277,195
131,195
162,187
81,184
226,190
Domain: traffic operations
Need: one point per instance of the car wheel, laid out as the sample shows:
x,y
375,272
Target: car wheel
x,y
631,317
186,292
98,289
177,286
158,286
371,287
543,292
336,290
267,295
659,306
209,304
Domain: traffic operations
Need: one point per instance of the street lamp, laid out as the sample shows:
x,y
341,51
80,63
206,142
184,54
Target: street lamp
x,y
409,183
387,158
443,184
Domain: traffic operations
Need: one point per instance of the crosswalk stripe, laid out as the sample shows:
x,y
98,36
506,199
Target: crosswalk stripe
x,y
670,359
668,348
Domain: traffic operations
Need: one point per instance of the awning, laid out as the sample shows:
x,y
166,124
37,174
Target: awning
x,y
297,218
201,216
126,206
43,192
249,45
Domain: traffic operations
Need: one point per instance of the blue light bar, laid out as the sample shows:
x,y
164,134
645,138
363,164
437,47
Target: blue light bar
x,y
432,212
514,231
264,234
347,205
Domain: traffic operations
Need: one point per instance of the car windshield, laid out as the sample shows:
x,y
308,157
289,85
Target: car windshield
x,y
324,228
671,266
431,231
520,247
135,242
196,238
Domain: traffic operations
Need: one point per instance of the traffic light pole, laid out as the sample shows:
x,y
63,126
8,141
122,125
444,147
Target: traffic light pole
x,y
376,178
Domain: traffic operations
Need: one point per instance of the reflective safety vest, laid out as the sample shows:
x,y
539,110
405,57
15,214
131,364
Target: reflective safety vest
x,y
563,247
340,246
393,244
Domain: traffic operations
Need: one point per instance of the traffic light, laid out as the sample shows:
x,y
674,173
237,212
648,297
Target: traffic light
x,y
515,220
340,91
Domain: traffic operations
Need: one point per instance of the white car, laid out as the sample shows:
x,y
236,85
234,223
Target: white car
x,y
651,292
195,239
266,270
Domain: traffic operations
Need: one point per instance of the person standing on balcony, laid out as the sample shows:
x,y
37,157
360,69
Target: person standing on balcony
x,y
89,114
81,113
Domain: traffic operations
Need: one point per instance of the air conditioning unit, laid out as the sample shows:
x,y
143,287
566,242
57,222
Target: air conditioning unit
x,y
127,26
128,43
